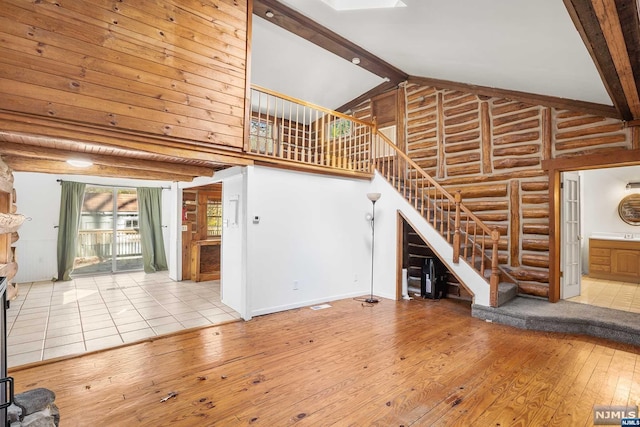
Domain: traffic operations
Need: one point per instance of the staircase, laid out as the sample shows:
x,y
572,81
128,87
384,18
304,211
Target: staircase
x,y
469,239
288,132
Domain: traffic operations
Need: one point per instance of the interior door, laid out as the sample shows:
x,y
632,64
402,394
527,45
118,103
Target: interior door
x,y
570,257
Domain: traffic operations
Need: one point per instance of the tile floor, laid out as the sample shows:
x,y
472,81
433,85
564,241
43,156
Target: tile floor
x,y
608,293
52,319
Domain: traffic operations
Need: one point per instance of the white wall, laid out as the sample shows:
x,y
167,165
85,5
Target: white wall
x,y
233,262
312,234
602,191
38,198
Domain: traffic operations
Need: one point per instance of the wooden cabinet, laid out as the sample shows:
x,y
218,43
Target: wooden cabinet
x,y
205,260
614,260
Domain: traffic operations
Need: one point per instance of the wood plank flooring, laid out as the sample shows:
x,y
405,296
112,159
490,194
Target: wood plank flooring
x,y
396,363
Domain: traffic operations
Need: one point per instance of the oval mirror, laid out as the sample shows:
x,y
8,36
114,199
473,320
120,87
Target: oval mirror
x,y
629,209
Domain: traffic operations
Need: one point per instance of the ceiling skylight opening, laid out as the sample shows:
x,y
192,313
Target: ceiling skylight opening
x,y
342,5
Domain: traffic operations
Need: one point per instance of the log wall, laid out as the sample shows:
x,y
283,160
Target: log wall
x,y
172,71
491,149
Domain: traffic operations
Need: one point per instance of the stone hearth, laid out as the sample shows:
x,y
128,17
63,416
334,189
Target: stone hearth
x,y
34,408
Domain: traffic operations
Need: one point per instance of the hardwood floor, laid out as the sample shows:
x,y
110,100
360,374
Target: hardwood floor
x,y
396,363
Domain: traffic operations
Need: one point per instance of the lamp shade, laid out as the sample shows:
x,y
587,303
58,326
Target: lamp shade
x,y
373,196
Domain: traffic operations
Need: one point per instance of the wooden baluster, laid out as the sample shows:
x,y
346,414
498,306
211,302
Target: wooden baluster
x,y
456,231
495,273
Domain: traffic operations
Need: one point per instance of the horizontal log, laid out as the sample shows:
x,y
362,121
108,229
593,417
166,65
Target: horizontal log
x,y
511,107
519,150
457,148
516,127
463,137
423,144
516,163
453,130
534,289
594,141
455,98
536,213
530,275
501,176
536,229
595,130
568,114
535,260
464,170
8,270
479,191
492,217
463,118
517,137
535,244
534,185
587,120
511,118
570,156
462,158
10,222
535,199
474,206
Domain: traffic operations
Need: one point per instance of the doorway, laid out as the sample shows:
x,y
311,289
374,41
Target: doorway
x,y
108,235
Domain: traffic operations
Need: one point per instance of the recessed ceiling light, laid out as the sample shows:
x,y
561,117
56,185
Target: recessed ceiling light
x,y
355,60
341,5
269,14
80,163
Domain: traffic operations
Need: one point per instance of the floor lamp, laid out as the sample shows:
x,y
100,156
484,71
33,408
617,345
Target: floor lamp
x,y
374,198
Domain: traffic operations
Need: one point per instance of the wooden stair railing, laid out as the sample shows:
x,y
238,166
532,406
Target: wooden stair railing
x,y
471,239
285,130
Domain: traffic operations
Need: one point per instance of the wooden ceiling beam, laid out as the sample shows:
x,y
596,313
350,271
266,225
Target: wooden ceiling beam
x,y
39,152
25,164
298,24
529,98
609,30
381,88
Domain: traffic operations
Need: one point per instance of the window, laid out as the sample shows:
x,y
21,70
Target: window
x,y
339,128
262,136
214,218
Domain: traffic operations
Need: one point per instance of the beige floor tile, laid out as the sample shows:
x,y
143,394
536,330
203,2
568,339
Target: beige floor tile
x,y
138,335
63,350
104,342
84,313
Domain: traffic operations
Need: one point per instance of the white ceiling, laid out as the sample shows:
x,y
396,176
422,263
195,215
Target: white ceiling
x,y
523,45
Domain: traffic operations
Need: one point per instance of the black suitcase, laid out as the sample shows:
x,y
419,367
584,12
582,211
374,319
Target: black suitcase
x,y
432,280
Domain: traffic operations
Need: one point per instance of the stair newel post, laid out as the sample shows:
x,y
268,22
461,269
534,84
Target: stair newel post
x,y
495,274
456,230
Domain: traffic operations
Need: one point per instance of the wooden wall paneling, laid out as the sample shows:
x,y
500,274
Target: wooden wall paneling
x,y
171,71
461,125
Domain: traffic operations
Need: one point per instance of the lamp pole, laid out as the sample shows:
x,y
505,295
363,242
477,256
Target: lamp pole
x,y
374,198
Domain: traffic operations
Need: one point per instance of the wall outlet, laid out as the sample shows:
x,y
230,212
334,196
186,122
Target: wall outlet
x,y
295,285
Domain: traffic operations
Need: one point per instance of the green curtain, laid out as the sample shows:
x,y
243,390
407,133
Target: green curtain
x,y
150,221
68,224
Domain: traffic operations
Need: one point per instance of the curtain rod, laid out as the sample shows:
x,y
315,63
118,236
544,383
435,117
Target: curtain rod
x,y
119,186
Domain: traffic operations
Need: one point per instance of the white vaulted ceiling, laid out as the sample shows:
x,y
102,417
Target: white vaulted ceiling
x,y
520,45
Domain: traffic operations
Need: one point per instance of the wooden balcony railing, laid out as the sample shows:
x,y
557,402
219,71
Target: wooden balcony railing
x,y
99,243
285,129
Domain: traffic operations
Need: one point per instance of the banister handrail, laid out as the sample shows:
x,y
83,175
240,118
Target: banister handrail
x,y
437,186
312,105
